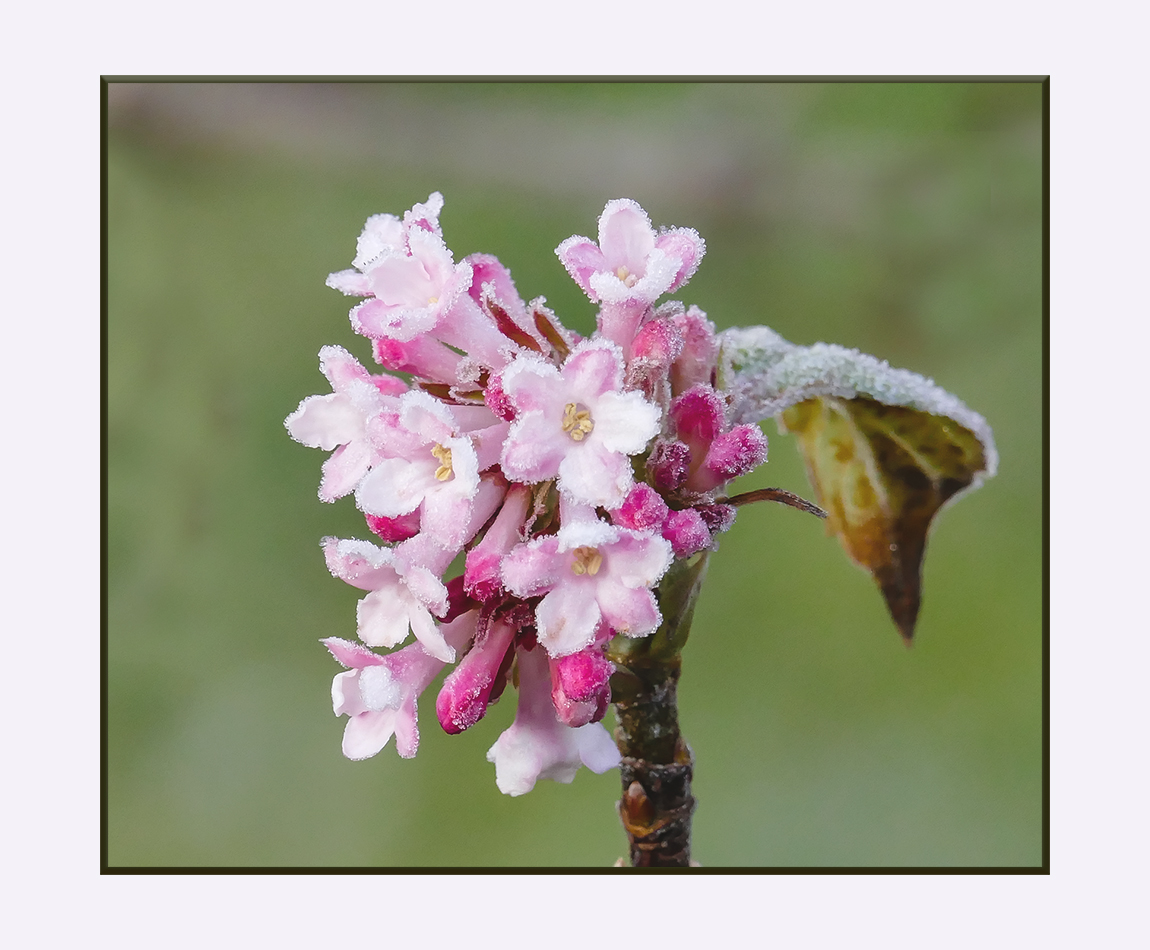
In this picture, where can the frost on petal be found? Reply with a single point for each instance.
(351, 654)
(349, 282)
(425, 215)
(625, 422)
(381, 232)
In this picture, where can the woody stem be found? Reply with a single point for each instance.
(657, 764)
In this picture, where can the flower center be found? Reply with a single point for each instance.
(577, 422)
(444, 472)
(587, 561)
(629, 279)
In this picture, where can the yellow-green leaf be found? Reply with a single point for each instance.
(882, 472)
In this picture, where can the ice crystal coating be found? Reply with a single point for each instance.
(766, 374)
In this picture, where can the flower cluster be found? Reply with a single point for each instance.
(569, 473)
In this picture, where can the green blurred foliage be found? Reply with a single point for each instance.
(904, 219)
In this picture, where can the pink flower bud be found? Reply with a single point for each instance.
(700, 354)
(394, 529)
(687, 531)
(717, 517)
(481, 572)
(642, 509)
(734, 453)
(466, 691)
(580, 686)
(667, 464)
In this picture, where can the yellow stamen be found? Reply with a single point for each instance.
(432, 300)
(444, 472)
(577, 422)
(587, 561)
(626, 276)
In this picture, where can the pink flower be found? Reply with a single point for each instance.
(404, 591)
(576, 424)
(630, 267)
(339, 420)
(406, 270)
(379, 693)
(588, 573)
(429, 463)
(630, 261)
(537, 745)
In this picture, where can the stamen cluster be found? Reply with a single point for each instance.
(569, 473)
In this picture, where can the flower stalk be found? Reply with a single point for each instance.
(657, 764)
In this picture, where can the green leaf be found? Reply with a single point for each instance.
(885, 448)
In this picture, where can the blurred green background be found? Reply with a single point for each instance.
(902, 219)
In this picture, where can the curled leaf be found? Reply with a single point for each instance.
(884, 448)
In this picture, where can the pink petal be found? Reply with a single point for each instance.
(345, 697)
(367, 733)
(686, 247)
(344, 470)
(632, 613)
(567, 617)
(351, 654)
(382, 618)
(406, 729)
(349, 282)
(535, 567)
(396, 486)
(687, 532)
(592, 369)
(637, 560)
(625, 235)
(594, 475)
(700, 355)
(535, 448)
(582, 258)
(325, 422)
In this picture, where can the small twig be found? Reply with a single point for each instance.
(780, 495)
